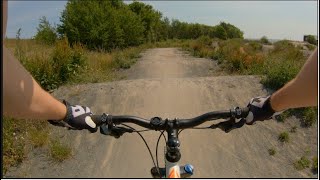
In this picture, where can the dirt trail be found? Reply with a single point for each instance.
(166, 82)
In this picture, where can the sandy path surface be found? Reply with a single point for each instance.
(166, 82)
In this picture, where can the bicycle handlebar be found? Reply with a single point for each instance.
(156, 123)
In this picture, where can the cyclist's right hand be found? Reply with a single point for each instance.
(259, 110)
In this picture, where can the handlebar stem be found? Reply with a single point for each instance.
(173, 151)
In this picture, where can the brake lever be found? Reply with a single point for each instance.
(61, 123)
(114, 130)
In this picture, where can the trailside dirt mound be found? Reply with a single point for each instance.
(173, 87)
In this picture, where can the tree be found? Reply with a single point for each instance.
(264, 40)
(45, 32)
(231, 30)
(220, 33)
(132, 27)
(150, 18)
(101, 24)
(311, 39)
(195, 31)
(165, 29)
(113, 24)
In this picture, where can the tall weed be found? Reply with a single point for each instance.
(63, 64)
(282, 65)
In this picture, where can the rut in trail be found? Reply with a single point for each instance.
(168, 83)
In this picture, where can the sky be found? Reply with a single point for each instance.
(274, 19)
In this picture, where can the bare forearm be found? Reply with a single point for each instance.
(22, 95)
(302, 90)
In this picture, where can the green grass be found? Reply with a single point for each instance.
(18, 136)
(311, 47)
(272, 151)
(284, 137)
(59, 152)
(13, 142)
(38, 137)
(283, 116)
(302, 163)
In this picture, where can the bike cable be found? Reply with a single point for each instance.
(157, 160)
(195, 128)
(143, 130)
(145, 142)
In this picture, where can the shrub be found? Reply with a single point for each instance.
(62, 65)
(220, 32)
(121, 61)
(42, 70)
(216, 56)
(293, 129)
(206, 40)
(309, 116)
(272, 151)
(196, 46)
(302, 163)
(255, 46)
(311, 39)
(282, 45)
(311, 47)
(232, 55)
(264, 40)
(300, 47)
(283, 116)
(231, 31)
(61, 60)
(283, 137)
(282, 65)
(66, 61)
(279, 73)
(102, 24)
(125, 58)
(204, 52)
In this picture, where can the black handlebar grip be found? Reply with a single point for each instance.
(98, 119)
(245, 112)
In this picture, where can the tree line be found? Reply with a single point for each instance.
(113, 24)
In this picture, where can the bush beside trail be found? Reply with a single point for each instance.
(276, 67)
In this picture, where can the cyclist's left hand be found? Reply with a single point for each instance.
(77, 118)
